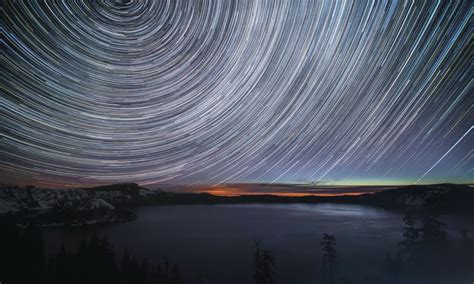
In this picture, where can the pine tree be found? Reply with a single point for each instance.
(393, 268)
(410, 233)
(10, 259)
(144, 271)
(264, 265)
(62, 266)
(432, 229)
(328, 244)
(32, 252)
(175, 275)
(257, 255)
(125, 267)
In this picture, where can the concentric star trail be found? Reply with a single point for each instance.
(210, 92)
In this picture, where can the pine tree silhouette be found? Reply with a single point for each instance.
(10, 259)
(264, 265)
(328, 244)
(22, 260)
(393, 268)
(410, 233)
(432, 229)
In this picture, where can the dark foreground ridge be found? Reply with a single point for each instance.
(116, 203)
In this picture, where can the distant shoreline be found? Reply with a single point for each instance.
(115, 203)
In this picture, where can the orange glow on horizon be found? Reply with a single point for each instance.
(235, 191)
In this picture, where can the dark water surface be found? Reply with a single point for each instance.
(218, 241)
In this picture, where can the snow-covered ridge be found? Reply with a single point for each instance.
(71, 206)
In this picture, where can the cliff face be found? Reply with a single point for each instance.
(72, 207)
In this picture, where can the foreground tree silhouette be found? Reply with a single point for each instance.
(22, 260)
(393, 267)
(411, 234)
(328, 244)
(429, 232)
(264, 265)
(432, 229)
(21, 253)
(424, 246)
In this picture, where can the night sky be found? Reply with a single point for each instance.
(209, 92)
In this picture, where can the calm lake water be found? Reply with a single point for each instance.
(218, 241)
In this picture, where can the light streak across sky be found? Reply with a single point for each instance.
(457, 142)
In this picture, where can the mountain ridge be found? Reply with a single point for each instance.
(116, 202)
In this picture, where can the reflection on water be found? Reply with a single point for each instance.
(217, 241)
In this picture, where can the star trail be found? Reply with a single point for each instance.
(211, 92)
